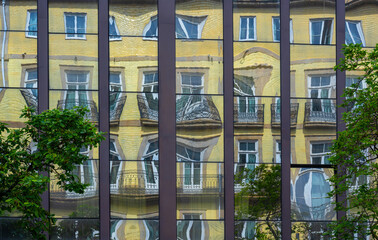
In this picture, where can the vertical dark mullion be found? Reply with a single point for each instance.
(43, 74)
(167, 119)
(285, 118)
(340, 85)
(228, 119)
(103, 83)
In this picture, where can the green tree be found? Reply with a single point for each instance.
(57, 136)
(356, 149)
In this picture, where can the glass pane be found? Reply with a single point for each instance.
(134, 189)
(256, 69)
(20, 57)
(202, 61)
(196, 229)
(257, 191)
(317, 25)
(141, 229)
(130, 114)
(199, 21)
(319, 115)
(362, 28)
(137, 67)
(73, 17)
(73, 64)
(199, 128)
(17, 14)
(310, 230)
(12, 101)
(65, 204)
(200, 190)
(255, 229)
(144, 23)
(11, 230)
(312, 71)
(310, 200)
(76, 229)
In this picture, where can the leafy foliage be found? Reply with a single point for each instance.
(260, 199)
(58, 136)
(356, 149)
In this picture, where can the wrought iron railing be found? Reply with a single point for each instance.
(276, 113)
(148, 107)
(188, 108)
(195, 107)
(92, 115)
(209, 183)
(116, 111)
(143, 182)
(250, 114)
(30, 99)
(320, 111)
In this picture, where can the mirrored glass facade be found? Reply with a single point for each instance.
(218, 124)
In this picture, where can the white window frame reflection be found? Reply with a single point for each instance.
(32, 83)
(274, 26)
(91, 189)
(324, 155)
(322, 31)
(31, 33)
(241, 166)
(79, 89)
(247, 37)
(278, 152)
(199, 21)
(117, 36)
(152, 159)
(75, 34)
(324, 101)
(114, 153)
(353, 37)
(191, 164)
(248, 99)
(115, 89)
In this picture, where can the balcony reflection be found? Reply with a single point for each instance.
(320, 112)
(249, 116)
(30, 96)
(276, 114)
(117, 102)
(191, 110)
(131, 182)
(92, 115)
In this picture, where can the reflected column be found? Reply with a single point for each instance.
(73, 81)
(313, 89)
(18, 79)
(133, 116)
(199, 120)
(257, 119)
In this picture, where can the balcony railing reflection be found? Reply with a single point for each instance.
(191, 111)
(92, 115)
(320, 113)
(116, 108)
(209, 183)
(58, 193)
(30, 99)
(148, 108)
(276, 114)
(251, 116)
